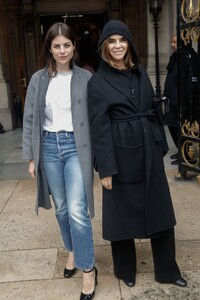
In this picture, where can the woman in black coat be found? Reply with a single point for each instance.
(129, 144)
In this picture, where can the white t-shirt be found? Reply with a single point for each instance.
(58, 114)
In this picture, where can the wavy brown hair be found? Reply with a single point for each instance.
(46, 58)
(128, 59)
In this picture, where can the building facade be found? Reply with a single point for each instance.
(23, 25)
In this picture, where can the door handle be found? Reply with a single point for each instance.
(23, 82)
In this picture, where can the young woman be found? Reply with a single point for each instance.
(129, 144)
(56, 141)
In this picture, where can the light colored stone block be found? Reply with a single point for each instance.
(186, 200)
(147, 288)
(6, 189)
(27, 265)
(15, 157)
(59, 289)
(21, 228)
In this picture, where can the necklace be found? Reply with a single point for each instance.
(64, 73)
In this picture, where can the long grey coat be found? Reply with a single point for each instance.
(33, 128)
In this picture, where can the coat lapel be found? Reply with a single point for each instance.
(112, 76)
(44, 82)
(76, 96)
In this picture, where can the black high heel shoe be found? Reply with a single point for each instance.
(69, 273)
(91, 295)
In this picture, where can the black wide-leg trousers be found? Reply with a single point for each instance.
(164, 257)
(174, 134)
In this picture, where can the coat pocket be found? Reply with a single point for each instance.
(130, 163)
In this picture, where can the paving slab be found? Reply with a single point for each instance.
(27, 265)
(14, 171)
(186, 200)
(6, 189)
(10, 141)
(15, 157)
(59, 289)
(21, 228)
(147, 288)
(187, 254)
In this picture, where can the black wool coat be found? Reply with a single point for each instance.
(171, 91)
(129, 143)
(189, 71)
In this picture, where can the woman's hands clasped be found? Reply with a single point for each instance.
(107, 182)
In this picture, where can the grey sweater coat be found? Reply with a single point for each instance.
(33, 128)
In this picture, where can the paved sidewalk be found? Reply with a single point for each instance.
(32, 256)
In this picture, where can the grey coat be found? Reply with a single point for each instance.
(33, 128)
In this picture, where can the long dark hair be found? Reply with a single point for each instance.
(46, 56)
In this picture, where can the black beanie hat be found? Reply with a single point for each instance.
(117, 27)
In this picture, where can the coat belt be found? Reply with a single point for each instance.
(150, 114)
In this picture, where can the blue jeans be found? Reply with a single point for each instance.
(65, 180)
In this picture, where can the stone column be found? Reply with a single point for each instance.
(5, 109)
(167, 27)
(5, 104)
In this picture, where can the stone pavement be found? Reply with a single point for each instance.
(32, 256)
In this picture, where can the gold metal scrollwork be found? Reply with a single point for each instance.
(190, 129)
(190, 10)
(195, 129)
(190, 153)
(195, 33)
(190, 33)
(185, 35)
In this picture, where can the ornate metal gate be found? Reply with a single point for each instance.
(188, 34)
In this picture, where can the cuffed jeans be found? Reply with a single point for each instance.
(65, 180)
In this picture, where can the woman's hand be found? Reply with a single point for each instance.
(107, 182)
(31, 168)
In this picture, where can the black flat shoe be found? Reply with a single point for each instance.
(174, 156)
(91, 295)
(69, 273)
(174, 162)
(181, 282)
(129, 282)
